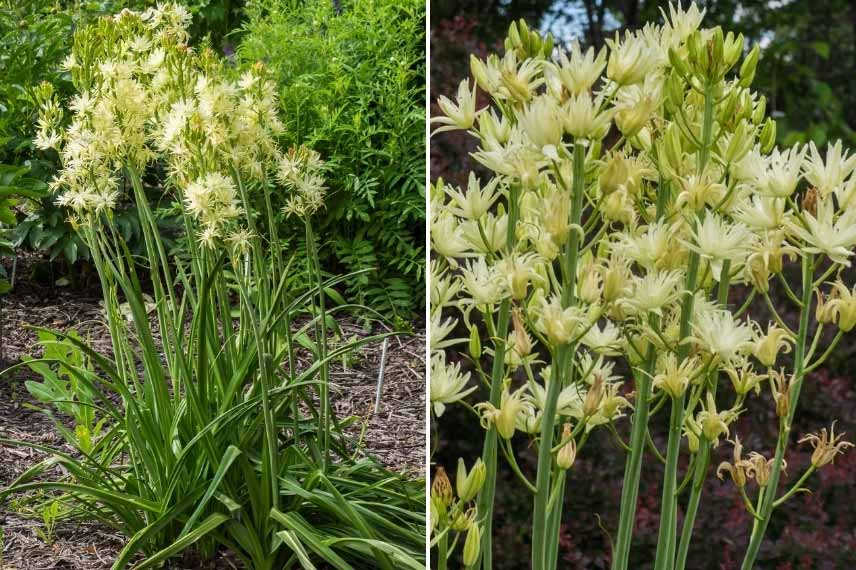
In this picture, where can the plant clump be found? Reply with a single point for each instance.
(631, 190)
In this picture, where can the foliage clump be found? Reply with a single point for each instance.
(202, 429)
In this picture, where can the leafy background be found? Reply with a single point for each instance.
(352, 81)
(807, 72)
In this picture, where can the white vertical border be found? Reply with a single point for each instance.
(427, 282)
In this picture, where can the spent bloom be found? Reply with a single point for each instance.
(826, 446)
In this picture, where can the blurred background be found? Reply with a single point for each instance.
(807, 71)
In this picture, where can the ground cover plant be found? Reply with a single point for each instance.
(352, 84)
(630, 190)
(212, 437)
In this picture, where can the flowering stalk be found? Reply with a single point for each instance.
(666, 541)
(560, 378)
(768, 495)
(702, 459)
(639, 428)
(497, 375)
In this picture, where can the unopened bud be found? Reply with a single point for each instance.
(594, 396)
(768, 136)
(475, 343)
(472, 545)
(469, 484)
(566, 456)
(732, 50)
(760, 110)
(678, 63)
(747, 70)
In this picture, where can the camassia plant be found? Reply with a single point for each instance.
(213, 434)
(630, 189)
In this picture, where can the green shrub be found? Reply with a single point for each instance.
(352, 77)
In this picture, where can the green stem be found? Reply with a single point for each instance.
(666, 541)
(638, 431)
(700, 472)
(443, 552)
(564, 354)
(497, 375)
(321, 341)
(768, 497)
(666, 538)
(796, 487)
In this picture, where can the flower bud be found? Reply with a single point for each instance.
(768, 136)
(714, 54)
(613, 175)
(747, 70)
(475, 343)
(479, 73)
(740, 143)
(673, 150)
(566, 456)
(678, 63)
(732, 50)
(469, 484)
(730, 105)
(591, 404)
(760, 110)
(472, 545)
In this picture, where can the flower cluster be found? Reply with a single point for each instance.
(144, 95)
(630, 189)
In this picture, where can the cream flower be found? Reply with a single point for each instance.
(447, 384)
(579, 72)
(460, 116)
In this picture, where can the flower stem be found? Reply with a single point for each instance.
(667, 539)
(638, 432)
(768, 498)
(497, 375)
(443, 552)
(703, 460)
(564, 356)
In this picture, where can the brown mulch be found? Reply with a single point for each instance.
(394, 434)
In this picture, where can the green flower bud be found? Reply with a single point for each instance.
(677, 63)
(475, 343)
(472, 545)
(760, 110)
(768, 135)
(469, 484)
(733, 49)
(566, 456)
(747, 70)
(740, 143)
